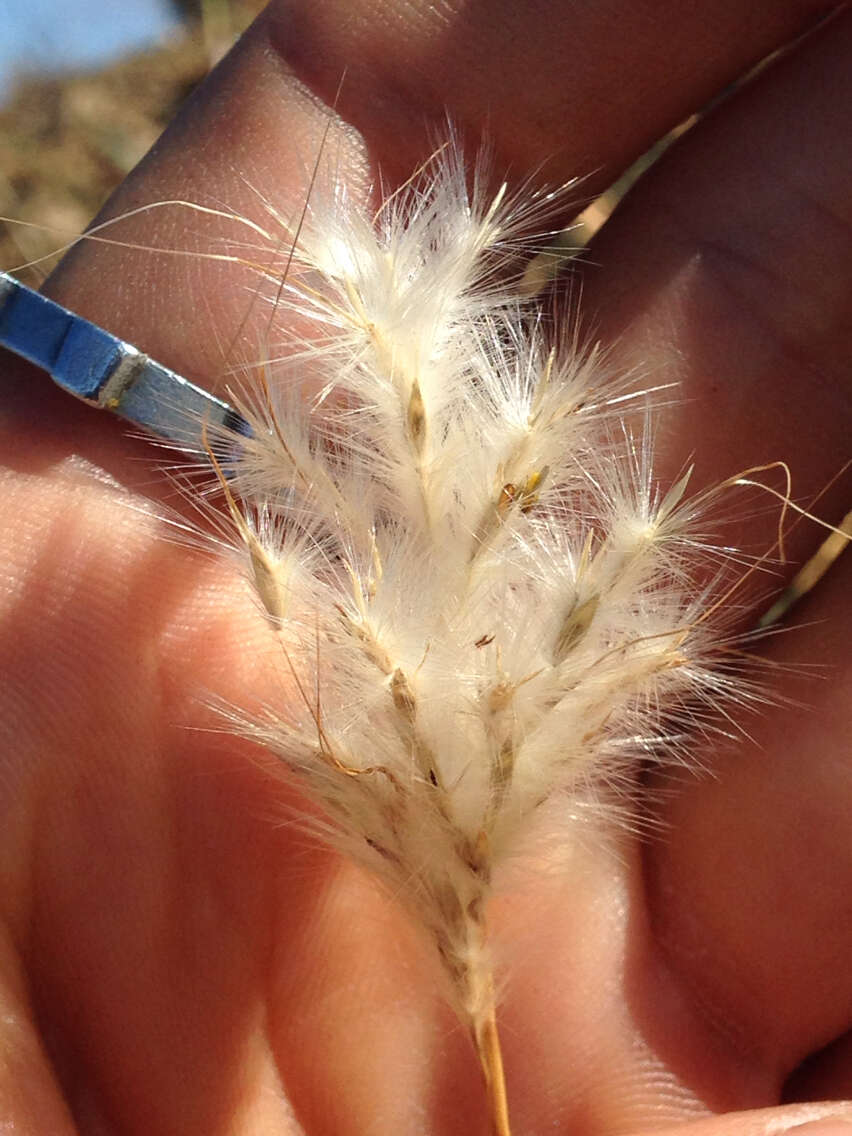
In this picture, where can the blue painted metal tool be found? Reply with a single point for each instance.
(107, 372)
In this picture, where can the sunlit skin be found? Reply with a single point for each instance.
(175, 957)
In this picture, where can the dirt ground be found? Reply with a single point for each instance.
(66, 143)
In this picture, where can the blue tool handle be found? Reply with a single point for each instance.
(107, 372)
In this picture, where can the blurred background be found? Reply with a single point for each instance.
(85, 89)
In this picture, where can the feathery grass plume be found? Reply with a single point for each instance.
(483, 603)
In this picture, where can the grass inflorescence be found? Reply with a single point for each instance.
(486, 608)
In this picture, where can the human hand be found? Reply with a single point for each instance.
(173, 960)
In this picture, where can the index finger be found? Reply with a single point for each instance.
(568, 89)
(576, 89)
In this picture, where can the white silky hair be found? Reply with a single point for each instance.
(484, 602)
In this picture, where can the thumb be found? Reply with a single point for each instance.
(828, 1118)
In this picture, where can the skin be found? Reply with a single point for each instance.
(173, 958)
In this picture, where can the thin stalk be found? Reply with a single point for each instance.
(487, 1041)
(476, 977)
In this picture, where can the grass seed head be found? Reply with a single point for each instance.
(483, 600)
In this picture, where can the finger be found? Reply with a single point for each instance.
(193, 961)
(728, 272)
(254, 131)
(750, 888)
(802, 1120)
(31, 1100)
(249, 137)
(577, 89)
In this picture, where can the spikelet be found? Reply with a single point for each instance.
(483, 602)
